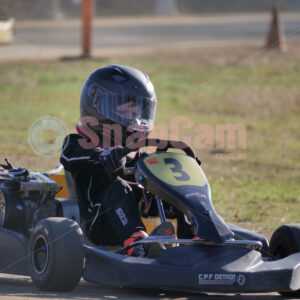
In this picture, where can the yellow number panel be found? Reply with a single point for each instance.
(175, 169)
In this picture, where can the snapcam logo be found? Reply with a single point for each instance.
(46, 136)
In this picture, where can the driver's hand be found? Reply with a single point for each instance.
(113, 159)
(131, 162)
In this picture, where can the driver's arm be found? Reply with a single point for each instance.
(76, 158)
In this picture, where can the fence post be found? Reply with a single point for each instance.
(86, 12)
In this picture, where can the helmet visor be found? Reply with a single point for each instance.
(135, 112)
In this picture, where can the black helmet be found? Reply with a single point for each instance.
(119, 94)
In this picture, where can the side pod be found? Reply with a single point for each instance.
(13, 252)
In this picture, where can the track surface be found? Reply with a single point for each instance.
(137, 32)
(47, 39)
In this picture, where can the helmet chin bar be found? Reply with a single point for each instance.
(139, 127)
(138, 134)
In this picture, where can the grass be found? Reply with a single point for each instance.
(260, 190)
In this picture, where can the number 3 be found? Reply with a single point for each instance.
(177, 169)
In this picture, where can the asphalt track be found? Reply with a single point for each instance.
(48, 39)
(21, 288)
(137, 32)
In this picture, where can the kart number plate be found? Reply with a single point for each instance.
(175, 169)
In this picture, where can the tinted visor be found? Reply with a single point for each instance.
(135, 112)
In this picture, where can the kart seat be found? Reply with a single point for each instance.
(70, 179)
(71, 186)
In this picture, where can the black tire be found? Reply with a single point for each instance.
(56, 254)
(284, 242)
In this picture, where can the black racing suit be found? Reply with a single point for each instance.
(108, 205)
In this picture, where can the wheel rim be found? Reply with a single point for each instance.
(40, 255)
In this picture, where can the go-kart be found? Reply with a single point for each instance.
(40, 235)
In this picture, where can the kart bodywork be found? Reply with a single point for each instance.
(203, 268)
(214, 263)
(225, 257)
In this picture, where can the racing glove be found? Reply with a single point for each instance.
(113, 159)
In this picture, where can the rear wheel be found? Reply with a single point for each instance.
(56, 254)
(284, 242)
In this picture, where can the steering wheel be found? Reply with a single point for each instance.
(161, 145)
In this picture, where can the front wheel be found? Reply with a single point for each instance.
(56, 254)
(284, 242)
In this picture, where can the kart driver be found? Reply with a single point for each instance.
(122, 98)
